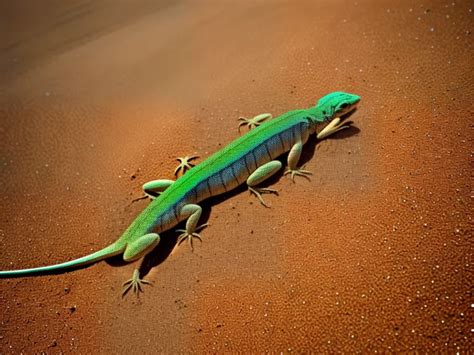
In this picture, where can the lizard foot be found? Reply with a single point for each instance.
(134, 284)
(299, 172)
(334, 126)
(190, 235)
(258, 191)
(184, 164)
(254, 121)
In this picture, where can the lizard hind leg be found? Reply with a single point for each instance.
(293, 158)
(135, 284)
(260, 174)
(154, 188)
(192, 212)
(134, 251)
(254, 121)
(185, 164)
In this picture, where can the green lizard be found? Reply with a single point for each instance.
(249, 159)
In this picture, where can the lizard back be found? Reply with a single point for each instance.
(224, 170)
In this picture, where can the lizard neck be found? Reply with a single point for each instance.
(317, 114)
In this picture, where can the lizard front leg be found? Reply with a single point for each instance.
(334, 126)
(192, 212)
(293, 159)
(260, 174)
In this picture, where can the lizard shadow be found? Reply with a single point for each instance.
(169, 239)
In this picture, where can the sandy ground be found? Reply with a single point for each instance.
(373, 254)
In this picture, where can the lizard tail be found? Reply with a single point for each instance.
(111, 250)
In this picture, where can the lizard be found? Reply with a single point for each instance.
(249, 159)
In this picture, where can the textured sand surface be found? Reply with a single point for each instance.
(373, 254)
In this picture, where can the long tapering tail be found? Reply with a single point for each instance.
(111, 250)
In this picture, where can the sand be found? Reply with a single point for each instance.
(372, 255)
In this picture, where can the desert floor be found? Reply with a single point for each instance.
(373, 254)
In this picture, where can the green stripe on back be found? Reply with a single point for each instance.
(215, 163)
(232, 152)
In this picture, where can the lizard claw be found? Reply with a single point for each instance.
(184, 164)
(134, 284)
(299, 172)
(190, 235)
(254, 121)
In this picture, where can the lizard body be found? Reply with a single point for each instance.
(224, 170)
(250, 158)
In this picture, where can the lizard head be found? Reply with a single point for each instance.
(335, 104)
(325, 116)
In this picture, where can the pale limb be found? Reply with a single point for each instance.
(254, 121)
(134, 251)
(334, 126)
(184, 164)
(155, 187)
(192, 212)
(260, 174)
(293, 158)
(134, 284)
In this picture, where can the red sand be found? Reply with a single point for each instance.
(374, 254)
